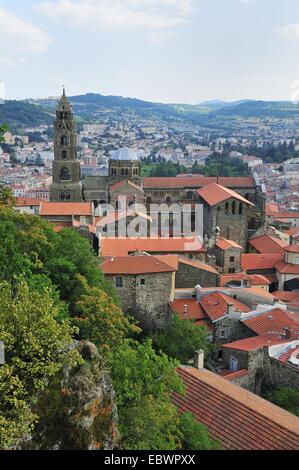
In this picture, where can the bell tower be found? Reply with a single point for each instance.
(66, 186)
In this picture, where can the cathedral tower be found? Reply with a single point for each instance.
(66, 186)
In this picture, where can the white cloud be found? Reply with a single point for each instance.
(290, 31)
(120, 15)
(18, 38)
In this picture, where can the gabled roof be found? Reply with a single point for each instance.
(224, 244)
(66, 208)
(122, 246)
(254, 279)
(240, 419)
(267, 244)
(215, 193)
(231, 375)
(260, 261)
(189, 309)
(273, 321)
(292, 248)
(216, 305)
(122, 183)
(135, 265)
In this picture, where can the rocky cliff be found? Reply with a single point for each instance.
(77, 411)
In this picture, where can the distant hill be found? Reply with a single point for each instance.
(91, 107)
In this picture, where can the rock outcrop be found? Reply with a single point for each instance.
(78, 410)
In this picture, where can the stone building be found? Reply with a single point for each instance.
(228, 255)
(145, 285)
(225, 211)
(192, 273)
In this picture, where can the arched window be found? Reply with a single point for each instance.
(126, 171)
(64, 155)
(226, 208)
(234, 207)
(122, 172)
(189, 195)
(64, 196)
(240, 208)
(64, 140)
(65, 174)
(168, 200)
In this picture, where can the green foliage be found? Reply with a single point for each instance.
(6, 197)
(181, 338)
(3, 129)
(195, 435)
(36, 345)
(20, 114)
(101, 321)
(143, 382)
(287, 398)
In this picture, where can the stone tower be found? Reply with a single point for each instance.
(66, 186)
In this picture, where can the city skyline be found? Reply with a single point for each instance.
(171, 51)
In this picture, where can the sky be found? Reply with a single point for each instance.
(171, 51)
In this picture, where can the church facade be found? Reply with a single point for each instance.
(124, 178)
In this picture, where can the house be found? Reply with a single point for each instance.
(236, 417)
(145, 285)
(263, 264)
(288, 268)
(228, 255)
(244, 280)
(27, 205)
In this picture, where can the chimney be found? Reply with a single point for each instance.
(198, 292)
(186, 311)
(287, 332)
(199, 359)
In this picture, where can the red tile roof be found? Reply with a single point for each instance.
(215, 193)
(285, 215)
(119, 184)
(256, 342)
(224, 244)
(285, 296)
(123, 246)
(216, 305)
(198, 182)
(292, 248)
(135, 265)
(194, 310)
(235, 416)
(28, 201)
(273, 321)
(286, 355)
(260, 261)
(66, 208)
(287, 268)
(254, 279)
(231, 375)
(268, 244)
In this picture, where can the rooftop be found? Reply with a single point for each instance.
(135, 265)
(256, 342)
(260, 261)
(215, 193)
(196, 181)
(225, 244)
(66, 208)
(124, 154)
(216, 305)
(267, 244)
(273, 321)
(235, 416)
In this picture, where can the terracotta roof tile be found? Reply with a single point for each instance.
(135, 265)
(123, 246)
(231, 375)
(268, 244)
(66, 208)
(253, 279)
(260, 261)
(198, 182)
(292, 248)
(224, 244)
(28, 201)
(287, 268)
(256, 342)
(273, 321)
(235, 416)
(215, 193)
(197, 264)
(216, 305)
(285, 296)
(189, 309)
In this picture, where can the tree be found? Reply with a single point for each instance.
(3, 129)
(287, 398)
(6, 197)
(101, 321)
(144, 381)
(195, 434)
(181, 338)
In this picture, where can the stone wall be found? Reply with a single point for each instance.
(223, 259)
(147, 303)
(190, 276)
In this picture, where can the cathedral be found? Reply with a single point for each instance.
(124, 179)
